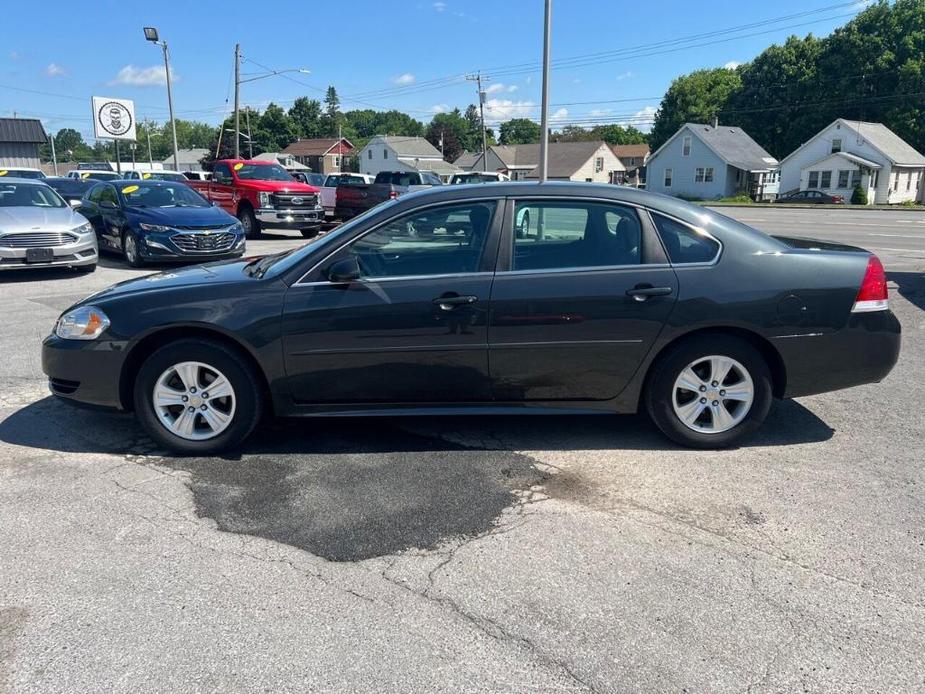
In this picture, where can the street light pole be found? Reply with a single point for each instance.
(544, 116)
(151, 35)
(237, 101)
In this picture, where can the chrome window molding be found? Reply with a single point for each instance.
(589, 268)
(699, 230)
(380, 280)
(445, 203)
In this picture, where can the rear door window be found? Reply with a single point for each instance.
(685, 244)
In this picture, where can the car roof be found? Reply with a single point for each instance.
(16, 179)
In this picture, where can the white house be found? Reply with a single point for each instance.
(706, 162)
(591, 162)
(850, 153)
(400, 153)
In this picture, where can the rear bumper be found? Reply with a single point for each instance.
(270, 217)
(865, 351)
(86, 372)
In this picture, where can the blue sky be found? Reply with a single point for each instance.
(410, 56)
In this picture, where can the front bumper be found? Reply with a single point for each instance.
(79, 253)
(87, 372)
(271, 217)
(158, 245)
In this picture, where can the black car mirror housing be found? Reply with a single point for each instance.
(344, 271)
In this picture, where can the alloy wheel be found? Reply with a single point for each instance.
(131, 249)
(194, 401)
(713, 394)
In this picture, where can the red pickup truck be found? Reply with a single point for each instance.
(263, 195)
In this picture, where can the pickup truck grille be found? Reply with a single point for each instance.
(203, 242)
(294, 201)
(37, 239)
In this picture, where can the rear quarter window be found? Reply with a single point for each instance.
(685, 244)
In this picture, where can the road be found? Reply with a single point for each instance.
(484, 554)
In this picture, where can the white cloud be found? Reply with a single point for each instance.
(642, 119)
(624, 75)
(440, 108)
(142, 76)
(599, 112)
(732, 65)
(404, 79)
(439, 6)
(54, 70)
(494, 88)
(560, 114)
(512, 88)
(497, 110)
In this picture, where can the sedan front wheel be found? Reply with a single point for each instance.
(197, 397)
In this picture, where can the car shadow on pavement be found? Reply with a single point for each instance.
(49, 274)
(354, 489)
(911, 286)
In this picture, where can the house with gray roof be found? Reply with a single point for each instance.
(20, 139)
(187, 159)
(592, 162)
(401, 153)
(707, 162)
(850, 153)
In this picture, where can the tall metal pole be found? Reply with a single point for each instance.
(237, 95)
(173, 123)
(148, 132)
(118, 158)
(544, 117)
(250, 140)
(54, 157)
(477, 78)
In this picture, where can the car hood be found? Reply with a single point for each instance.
(182, 216)
(17, 219)
(210, 273)
(278, 186)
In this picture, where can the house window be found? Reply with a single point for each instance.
(836, 145)
(598, 164)
(698, 175)
(668, 178)
(369, 154)
(843, 178)
(813, 179)
(825, 180)
(708, 175)
(632, 161)
(909, 181)
(686, 146)
(895, 185)
(337, 160)
(855, 178)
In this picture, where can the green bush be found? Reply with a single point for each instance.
(859, 196)
(909, 203)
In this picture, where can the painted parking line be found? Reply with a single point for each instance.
(898, 236)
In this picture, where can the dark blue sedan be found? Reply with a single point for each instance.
(158, 221)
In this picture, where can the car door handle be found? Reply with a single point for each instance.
(641, 292)
(448, 303)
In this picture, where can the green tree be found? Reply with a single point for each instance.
(619, 134)
(305, 115)
(519, 131)
(453, 129)
(697, 98)
(272, 130)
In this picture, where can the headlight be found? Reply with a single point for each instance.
(84, 229)
(154, 227)
(84, 323)
(264, 199)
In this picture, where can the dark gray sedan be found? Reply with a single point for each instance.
(508, 298)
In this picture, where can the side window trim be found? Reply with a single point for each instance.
(696, 230)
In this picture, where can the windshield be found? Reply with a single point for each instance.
(21, 173)
(262, 172)
(163, 176)
(29, 195)
(100, 175)
(149, 194)
(315, 179)
(474, 178)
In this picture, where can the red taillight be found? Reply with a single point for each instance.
(393, 194)
(873, 295)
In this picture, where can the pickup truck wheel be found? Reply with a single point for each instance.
(249, 222)
(311, 232)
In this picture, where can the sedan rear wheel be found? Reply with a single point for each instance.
(710, 391)
(198, 396)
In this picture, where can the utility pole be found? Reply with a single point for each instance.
(544, 116)
(340, 149)
(148, 132)
(237, 100)
(477, 78)
(152, 36)
(54, 157)
(133, 146)
(250, 140)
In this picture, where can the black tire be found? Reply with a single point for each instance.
(132, 258)
(249, 399)
(659, 392)
(311, 232)
(249, 221)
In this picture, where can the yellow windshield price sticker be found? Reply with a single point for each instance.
(146, 175)
(129, 189)
(85, 175)
(237, 167)
(3, 172)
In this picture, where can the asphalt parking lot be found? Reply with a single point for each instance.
(480, 554)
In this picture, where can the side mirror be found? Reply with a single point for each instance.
(108, 204)
(344, 271)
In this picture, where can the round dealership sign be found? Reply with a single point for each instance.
(114, 118)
